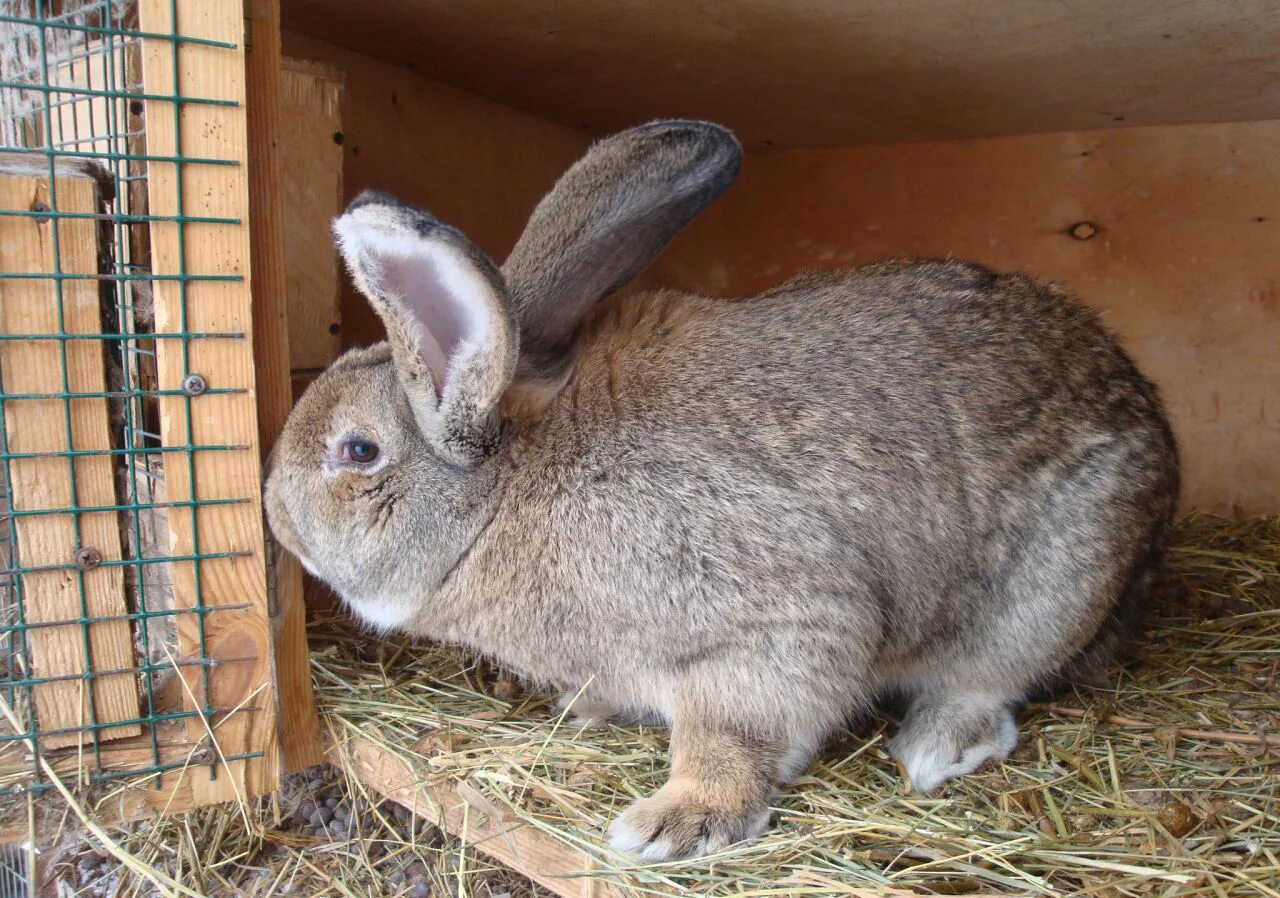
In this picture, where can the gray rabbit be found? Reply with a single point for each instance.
(749, 520)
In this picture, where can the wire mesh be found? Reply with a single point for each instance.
(13, 872)
(72, 95)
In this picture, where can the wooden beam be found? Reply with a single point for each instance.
(228, 593)
(138, 777)
(832, 72)
(269, 162)
(512, 842)
(63, 593)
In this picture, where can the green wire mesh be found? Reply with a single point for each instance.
(57, 57)
(13, 872)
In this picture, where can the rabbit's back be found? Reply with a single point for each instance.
(905, 362)
(888, 443)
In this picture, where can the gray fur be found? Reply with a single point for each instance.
(754, 518)
(595, 231)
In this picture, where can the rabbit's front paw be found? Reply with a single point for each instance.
(686, 819)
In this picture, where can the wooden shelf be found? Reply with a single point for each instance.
(833, 72)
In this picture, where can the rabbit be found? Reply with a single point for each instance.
(748, 520)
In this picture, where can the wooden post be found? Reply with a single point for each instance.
(299, 724)
(235, 587)
(32, 306)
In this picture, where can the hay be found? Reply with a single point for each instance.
(362, 846)
(1164, 783)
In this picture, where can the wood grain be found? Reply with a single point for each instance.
(35, 306)
(126, 798)
(1183, 263)
(271, 174)
(217, 132)
(834, 72)
(518, 845)
(310, 144)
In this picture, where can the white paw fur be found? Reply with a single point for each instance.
(930, 762)
(624, 837)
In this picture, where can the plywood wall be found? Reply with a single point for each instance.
(1183, 228)
(1185, 259)
(476, 164)
(311, 186)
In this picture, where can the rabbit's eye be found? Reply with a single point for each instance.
(359, 451)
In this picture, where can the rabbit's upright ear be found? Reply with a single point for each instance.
(607, 218)
(447, 316)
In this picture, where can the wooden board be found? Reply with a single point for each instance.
(519, 846)
(271, 170)
(211, 132)
(478, 165)
(123, 799)
(833, 72)
(1184, 263)
(311, 197)
(35, 306)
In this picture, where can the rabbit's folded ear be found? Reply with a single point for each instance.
(447, 316)
(607, 218)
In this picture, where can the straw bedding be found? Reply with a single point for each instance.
(1163, 783)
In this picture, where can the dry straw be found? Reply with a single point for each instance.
(1164, 783)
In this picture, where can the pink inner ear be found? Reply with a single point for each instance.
(418, 283)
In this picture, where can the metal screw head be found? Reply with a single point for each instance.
(41, 210)
(88, 558)
(194, 384)
(204, 754)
